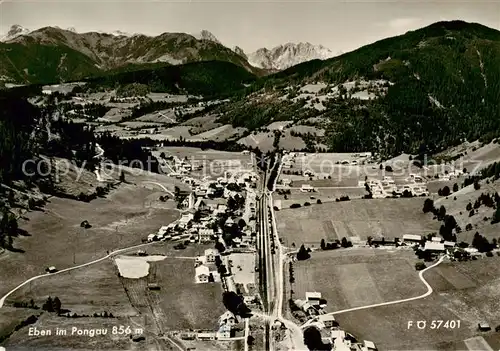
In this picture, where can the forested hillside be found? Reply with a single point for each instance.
(445, 87)
(211, 78)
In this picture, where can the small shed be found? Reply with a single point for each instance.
(484, 326)
(51, 269)
(153, 286)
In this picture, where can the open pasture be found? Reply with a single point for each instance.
(55, 237)
(323, 194)
(95, 288)
(358, 277)
(465, 291)
(389, 218)
(185, 304)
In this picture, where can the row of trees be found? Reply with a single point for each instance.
(8, 228)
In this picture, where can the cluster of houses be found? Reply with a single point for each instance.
(387, 187)
(226, 329)
(205, 267)
(313, 306)
(208, 199)
(434, 245)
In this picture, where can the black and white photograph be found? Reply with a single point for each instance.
(249, 175)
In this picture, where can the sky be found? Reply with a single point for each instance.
(339, 25)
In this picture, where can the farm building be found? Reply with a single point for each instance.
(202, 274)
(369, 346)
(151, 237)
(484, 326)
(51, 269)
(313, 298)
(210, 255)
(306, 188)
(412, 238)
(205, 234)
(434, 246)
(153, 286)
(228, 318)
(185, 220)
(224, 332)
(306, 307)
(206, 336)
(328, 320)
(436, 239)
(449, 244)
(383, 241)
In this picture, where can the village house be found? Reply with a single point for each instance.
(228, 318)
(224, 332)
(434, 247)
(306, 307)
(185, 220)
(210, 255)
(313, 298)
(205, 235)
(202, 274)
(448, 244)
(368, 346)
(206, 336)
(229, 222)
(328, 320)
(306, 188)
(412, 238)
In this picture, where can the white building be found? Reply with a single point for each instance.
(412, 238)
(224, 332)
(434, 246)
(306, 188)
(228, 318)
(185, 220)
(210, 255)
(313, 297)
(202, 274)
(205, 234)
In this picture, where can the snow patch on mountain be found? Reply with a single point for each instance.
(287, 55)
(15, 31)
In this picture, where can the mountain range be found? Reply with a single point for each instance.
(424, 90)
(52, 54)
(288, 55)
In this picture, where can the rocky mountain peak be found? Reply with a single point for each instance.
(206, 35)
(15, 31)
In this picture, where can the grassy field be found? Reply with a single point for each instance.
(183, 303)
(323, 194)
(95, 288)
(55, 237)
(358, 277)
(467, 291)
(10, 317)
(332, 221)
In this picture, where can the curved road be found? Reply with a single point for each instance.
(2, 300)
(161, 186)
(111, 254)
(420, 275)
